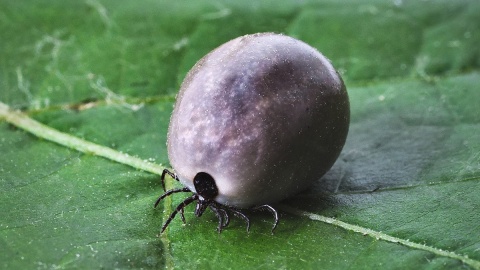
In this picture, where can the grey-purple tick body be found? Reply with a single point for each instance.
(257, 120)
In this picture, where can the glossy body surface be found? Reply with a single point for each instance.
(265, 115)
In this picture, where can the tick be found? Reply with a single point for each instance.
(257, 120)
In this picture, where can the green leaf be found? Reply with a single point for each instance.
(95, 82)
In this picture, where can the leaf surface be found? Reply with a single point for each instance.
(404, 193)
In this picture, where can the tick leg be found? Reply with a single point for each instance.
(226, 216)
(219, 213)
(271, 210)
(224, 211)
(180, 207)
(182, 215)
(242, 216)
(170, 192)
(173, 175)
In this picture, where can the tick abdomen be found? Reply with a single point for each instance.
(265, 115)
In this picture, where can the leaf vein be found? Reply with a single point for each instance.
(382, 236)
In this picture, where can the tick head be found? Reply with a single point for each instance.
(206, 190)
(205, 186)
